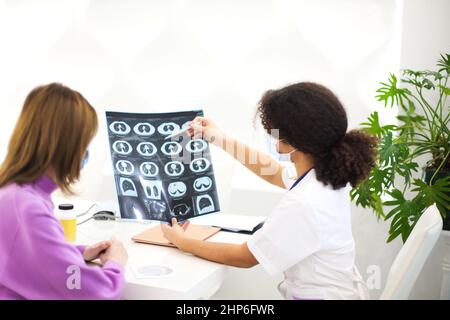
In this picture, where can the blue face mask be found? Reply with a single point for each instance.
(85, 160)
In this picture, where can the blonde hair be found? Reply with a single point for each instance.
(53, 132)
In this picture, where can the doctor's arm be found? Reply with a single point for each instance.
(236, 255)
(260, 163)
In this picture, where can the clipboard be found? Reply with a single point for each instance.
(237, 223)
(155, 236)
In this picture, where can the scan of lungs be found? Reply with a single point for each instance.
(174, 168)
(127, 187)
(122, 147)
(199, 165)
(120, 128)
(158, 208)
(196, 145)
(204, 204)
(202, 184)
(181, 209)
(144, 129)
(146, 149)
(152, 188)
(125, 167)
(177, 189)
(149, 169)
(167, 128)
(171, 148)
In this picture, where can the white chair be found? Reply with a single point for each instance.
(412, 256)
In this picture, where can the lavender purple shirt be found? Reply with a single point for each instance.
(36, 262)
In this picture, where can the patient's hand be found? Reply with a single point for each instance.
(116, 252)
(92, 252)
(175, 233)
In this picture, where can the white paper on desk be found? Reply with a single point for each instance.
(233, 222)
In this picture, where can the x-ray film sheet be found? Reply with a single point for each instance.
(158, 178)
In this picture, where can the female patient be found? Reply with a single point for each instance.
(47, 151)
(308, 235)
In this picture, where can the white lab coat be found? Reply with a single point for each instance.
(308, 237)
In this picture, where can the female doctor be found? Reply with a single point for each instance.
(308, 235)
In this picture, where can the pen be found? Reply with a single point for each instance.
(177, 133)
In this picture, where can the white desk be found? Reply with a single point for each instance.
(193, 278)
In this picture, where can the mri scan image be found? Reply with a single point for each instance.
(177, 189)
(125, 167)
(152, 188)
(202, 184)
(122, 147)
(127, 187)
(144, 129)
(167, 128)
(120, 128)
(157, 177)
(146, 149)
(149, 169)
(180, 210)
(204, 204)
(174, 168)
(158, 208)
(171, 148)
(199, 165)
(197, 145)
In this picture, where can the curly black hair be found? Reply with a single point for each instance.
(312, 119)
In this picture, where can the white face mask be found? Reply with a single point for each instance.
(283, 157)
(286, 157)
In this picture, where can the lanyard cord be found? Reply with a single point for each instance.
(299, 179)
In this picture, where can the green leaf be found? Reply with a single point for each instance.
(446, 90)
(381, 179)
(424, 74)
(392, 151)
(362, 194)
(394, 234)
(377, 205)
(411, 120)
(373, 126)
(389, 92)
(405, 214)
(444, 63)
(436, 193)
(397, 200)
(428, 84)
(406, 169)
(436, 75)
(413, 73)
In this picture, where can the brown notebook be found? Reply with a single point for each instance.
(154, 235)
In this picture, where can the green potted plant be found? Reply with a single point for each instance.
(397, 188)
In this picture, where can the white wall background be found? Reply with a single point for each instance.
(218, 55)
